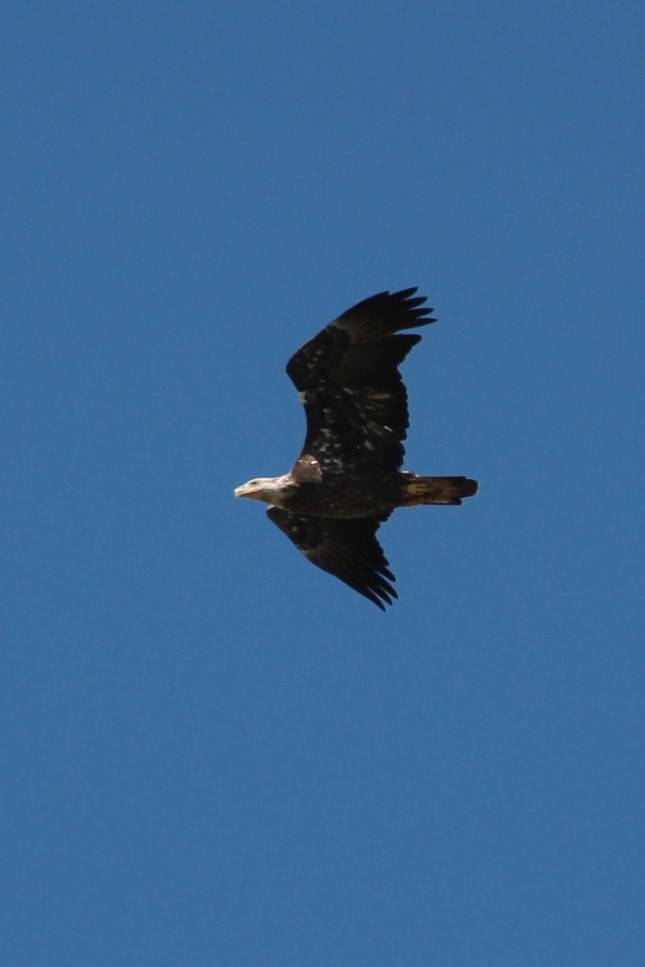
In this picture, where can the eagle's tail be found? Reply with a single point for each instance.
(437, 490)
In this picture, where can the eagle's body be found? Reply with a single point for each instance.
(348, 480)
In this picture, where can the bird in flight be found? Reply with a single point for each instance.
(348, 478)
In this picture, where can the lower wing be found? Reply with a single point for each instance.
(348, 549)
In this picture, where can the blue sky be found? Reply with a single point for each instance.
(214, 753)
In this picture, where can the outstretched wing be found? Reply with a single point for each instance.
(348, 379)
(348, 549)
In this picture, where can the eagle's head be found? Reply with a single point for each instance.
(270, 490)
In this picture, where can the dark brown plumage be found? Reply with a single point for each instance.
(347, 479)
(348, 549)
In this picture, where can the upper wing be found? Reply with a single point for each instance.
(347, 375)
(348, 549)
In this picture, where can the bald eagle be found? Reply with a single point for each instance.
(347, 480)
